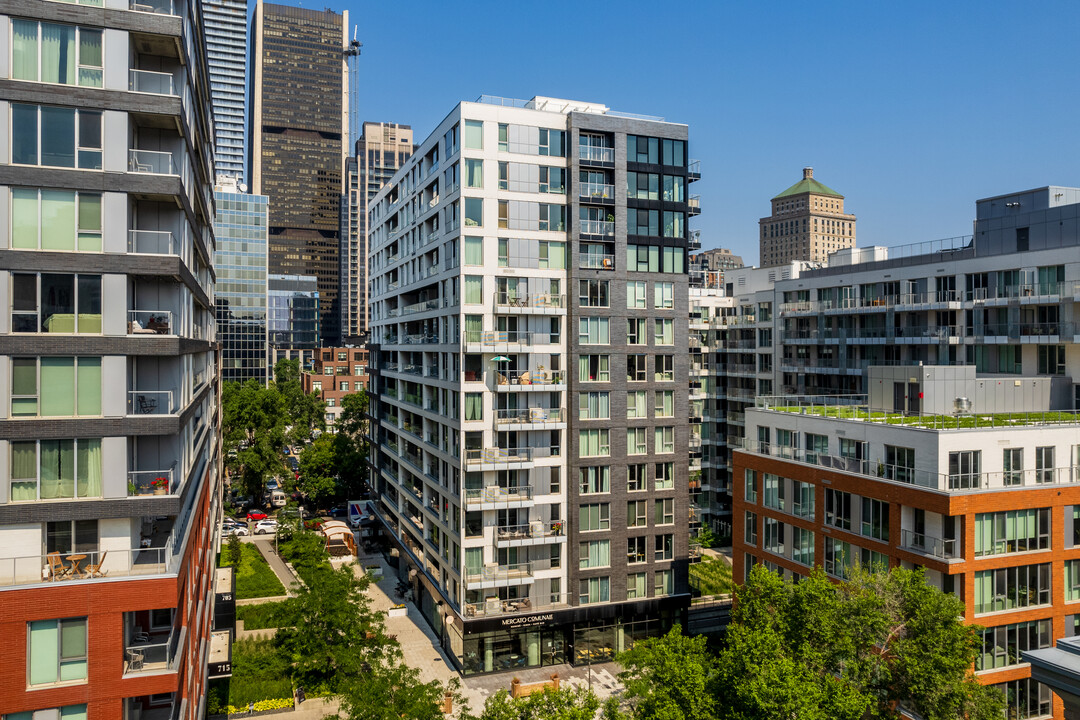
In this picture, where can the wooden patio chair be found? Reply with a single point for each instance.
(57, 568)
(95, 570)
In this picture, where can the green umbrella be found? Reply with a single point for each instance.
(500, 358)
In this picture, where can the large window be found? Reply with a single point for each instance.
(55, 136)
(635, 550)
(643, 222)
(751, 528)
(774, 536)
(875, 519)
(593, 331)
(674, 153)
(653, 258)
(663, 583)
(55, 387)
(637, 513)
(665, 368)
(56, 303)
(55, 220)
(643, 186)
(594, 554)
(636, 585)
(1011, 588)
(802, 499)
(636, 443)
(1072, 580)
(774, 488)
(1044, 464)
(642, 149)
(595, 516)
(593, 406)
(52, 53)
(635, 404)
(802, 546)
(474, 406)
(750, 484)
(1051, 360)
(663, 295)
(474, 290)
(664, 511)
(665, 403)
(1012, 531)
(674, 188)
(674, 224)
(637, 479)
(1013, 463)
(1026, 698)
(663, 331)
(636, 294)
(593, 368)
(664, 439)
(68, 712)
(474, 173)
(56, 651)
(900, 463)
(593, 443)
(1002, 645)
(593, 293)
(474, 212)
(664, 547)
(838, 509)
(964, 469)
(664, 478)
(55, 469)
(593, 480)
(594, 590)
(635, 368)
(474, 134)
(474, 251)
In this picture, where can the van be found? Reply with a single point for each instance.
(277, 498)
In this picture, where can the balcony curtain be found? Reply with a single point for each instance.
(23, 471)
(57, 53)
(474, 406)
(57, 469)
(88, 459)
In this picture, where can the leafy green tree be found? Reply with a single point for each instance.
(671, 677)
(253, 425)
(305, 411)
(350, 445)
(392, 690)
(563, 704)
(317, 469)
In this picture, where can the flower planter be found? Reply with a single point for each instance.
(401, 611)
(161, 490)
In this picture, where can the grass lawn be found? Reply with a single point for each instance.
(711, 576)
(938, 422)
(267, 615)
(258, 673)
(254, 578)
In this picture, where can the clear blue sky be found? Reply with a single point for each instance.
(911, 110)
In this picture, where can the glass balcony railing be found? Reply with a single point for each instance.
(151, 482)
(538, 377)
(596, 261)
(525, 300)
(591, 153)
(149, 81)
(527, 416)
(930, 545)
(153, 162)
(498, 493)
(159, 7)
(150, 322)
(489, 456)
(598, 227)
(150, 402)
(84, 565)
(150, 242)
(499, 573)
(154, 653)
(596, 191)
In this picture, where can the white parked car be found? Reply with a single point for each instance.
(264, 527)
(233, 529)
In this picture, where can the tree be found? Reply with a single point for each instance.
(563, 704)
(305, 411)
(252, 424)
(670, 677)
(350, 444)
(317, 469)
(391, 690)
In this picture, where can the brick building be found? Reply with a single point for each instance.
(335, 373)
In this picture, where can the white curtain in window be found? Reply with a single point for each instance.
(57, 53)
(89, 468)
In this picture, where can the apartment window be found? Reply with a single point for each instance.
(55, 469)
(593, 331)
(875, 519)
(1044, 464)
(594, 590)
(328, 371)
(650, 258)
(664, 548)
(838, 509)
(552, 180)
(664, 511)
(55, 386)
(55, 136)
(504, 137)
(1051, 359)
(593, 293)
(635, 331)
(595, 516)
(1012, 531)
(840, 557)
(53, 303)
(674, 188)
(55, 220)
(635, 550)
(663, 331)
(900, 463)
(636, 513)
(1002, 645)
(636, 585)
(751, 528)
(1012, 588)
(774, 488)
(474, 212)
(774, 536)
(552, 217)
(56, 651)
(663, 295)
(674, 224)
(52, 53)
(802, 546)
(643, 222)
(593, 480)
(663, 583)
(1013, 464)
(635, 441)
(594, 554)
(803, 499)
(665, 368)
(474, 290)
(674, 153)
(635, 368)
(72, 536)
(450, 141)
(1072, 580)
(1026, 698)
(636, 478)
(474, 406)
(474, 173)
(593, 368)
(552, 143)
(593, 406)
(68, 712)
(474, 251)
(474, 134)
(750, 482)
(664, 476)
(642, 149)
(664, 439)
(643, 186)
(593, 443)
(816, 445)
(636, 292)
(635, 405)
(665, 403)
(964, 469)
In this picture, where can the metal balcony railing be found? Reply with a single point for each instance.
(154, 162)
(929, 545)
(526, 300)
(150, 322)
(150, 402)
(150, 242)
(528, 416)
(498, 494)
(592, 153)
(84, 565)
(149, 81)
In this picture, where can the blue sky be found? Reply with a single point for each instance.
(911, 110)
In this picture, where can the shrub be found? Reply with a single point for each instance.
(267, 615)
(259, 673)
(711, 577)
(254, 578)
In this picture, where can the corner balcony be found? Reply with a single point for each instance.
(493, 576)
(152, 651)
(158, 7)
(537, 532)
(154, 83)
(153, 162)
(495, 606)
(929, 545)
(142, 483)
(151, 242)
(530, 304)
(496, 497)
(150, 322)
(150, 402)
(84, 566)
(535, 418)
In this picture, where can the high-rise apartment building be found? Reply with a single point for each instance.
(225, 29)
(380, 151)
(293, 317)
(241, 293)
(529, 373)
(109, 428)
(298, 131)
(808, 223)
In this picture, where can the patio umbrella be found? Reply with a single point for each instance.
(500, 358)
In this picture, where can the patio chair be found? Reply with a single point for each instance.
(147, 405)
(135, 659)
(57, 568)
(94, 570)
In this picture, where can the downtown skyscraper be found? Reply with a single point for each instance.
(225, 31)
(297, 132)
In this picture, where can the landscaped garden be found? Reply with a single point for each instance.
(254, 578)
(711, 577)
(267, 615)
(933, 422)
(259, 675)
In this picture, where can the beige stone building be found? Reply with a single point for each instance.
(808, 222)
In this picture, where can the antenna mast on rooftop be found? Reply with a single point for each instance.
(352, 58)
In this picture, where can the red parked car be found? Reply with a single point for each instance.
(256, 515)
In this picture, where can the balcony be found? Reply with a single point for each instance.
(83, 566)
(498, 458)
(497, 495)
(929, 545)
(540, 417)
(536, 532)
(528, 380)
(596, 261)
(150, 402)
(151, 242)
(597, 193)
(153, 652)
(693, 170)
(604, 228)
(598, 155)
(150, 322)
(154, 83)
(536, 303)
(158, 7)
(499, 340)
(493, 575)
(495, 606)
(153, 162)
(694, 204)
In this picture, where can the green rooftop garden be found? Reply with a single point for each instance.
(934, 422)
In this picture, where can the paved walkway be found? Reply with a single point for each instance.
(265, 544)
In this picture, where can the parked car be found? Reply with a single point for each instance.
(273, 484)
(337, 511)
(293, 463)
(256, 515)
(264, 527)
(233, 529)
(233, 521)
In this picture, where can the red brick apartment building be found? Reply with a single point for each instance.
(991, 509)
(335, 373)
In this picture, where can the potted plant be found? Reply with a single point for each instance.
(160, 485)
(133, 489)
(556, 528)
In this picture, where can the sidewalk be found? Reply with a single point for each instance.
(265, 545)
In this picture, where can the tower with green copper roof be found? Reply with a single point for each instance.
(808, 222)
